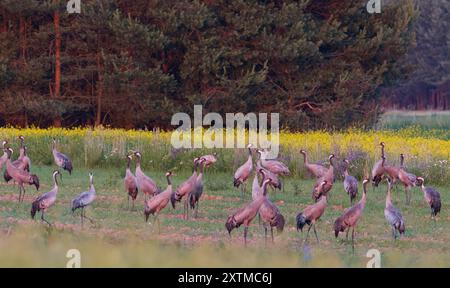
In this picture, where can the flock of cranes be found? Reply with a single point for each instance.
(265, 172)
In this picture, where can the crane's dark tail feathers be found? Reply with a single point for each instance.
(193, 199)
(279, 223)
(75, 205)
(7, 176)
(401, 228)
(436, 207)
(302, 221)
(68, 167)
(34, 181)
(236, 182)
(376, 180)
(173, 199)
(34, 208)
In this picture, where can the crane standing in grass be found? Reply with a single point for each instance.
(378, 168)
(246, 214)
(311, 214)
(144, 182)
(350, 183)
(243, 172)
(328, 178)
(408, 180)
(4, 157)
(130, 183)
(23, 162)
(432, 197)
(20, 176)
(268, 212)
(155, 204)
(392, 214)
(351, 216)
(194, 196)
(85, 199)
(61, 160)
(46, 200)
(315, 169)
(184, 190)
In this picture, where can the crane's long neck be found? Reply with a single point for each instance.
(55, 181)
(382, 150)
(402, 160)
(21, 143)
(264, 188)
(346, 171)
(128, 163)
(202, 167)
(169, 182)
(305, 158)
(138, 161)
(364, 196)
(388, 196)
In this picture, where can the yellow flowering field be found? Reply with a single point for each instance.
(425, 154)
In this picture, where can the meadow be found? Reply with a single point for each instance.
(121, 238)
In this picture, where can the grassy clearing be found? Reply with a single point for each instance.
(397, 119)
(120, 238)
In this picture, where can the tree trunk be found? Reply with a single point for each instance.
(98, 116)
(57, 89)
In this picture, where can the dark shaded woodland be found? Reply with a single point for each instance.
(132, 64)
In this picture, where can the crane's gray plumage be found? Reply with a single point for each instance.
(392, 214)
(194, 196)
(432, 197)
(84, 199)
(350, 182)
(61, 160)
(46, 200)
(20, 176)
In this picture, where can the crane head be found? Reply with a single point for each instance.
(168, 173)
(4, 142)
(346, 161)
(382, 144)
(331, 156)
(420, 180)
(9, 151)
(138, 154)
(303, 152)
(249, 145)
(21, 137)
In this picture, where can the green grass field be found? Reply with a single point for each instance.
(395, 119)
(121, 238)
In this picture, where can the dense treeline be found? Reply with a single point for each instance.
(428, 86)
(320, 63)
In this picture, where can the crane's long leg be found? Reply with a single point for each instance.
(81, 215)
(353, 240)
(43, 219)
(84, 216)
(157, 220)
(20, 193)
(265, 234)
(307, 234)
(245, 235)
(317, 238)
(346, 235)
(242, 192)
(132, 204)
(271, 232)
(196, 208)
(128, 207)
(406, 195)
